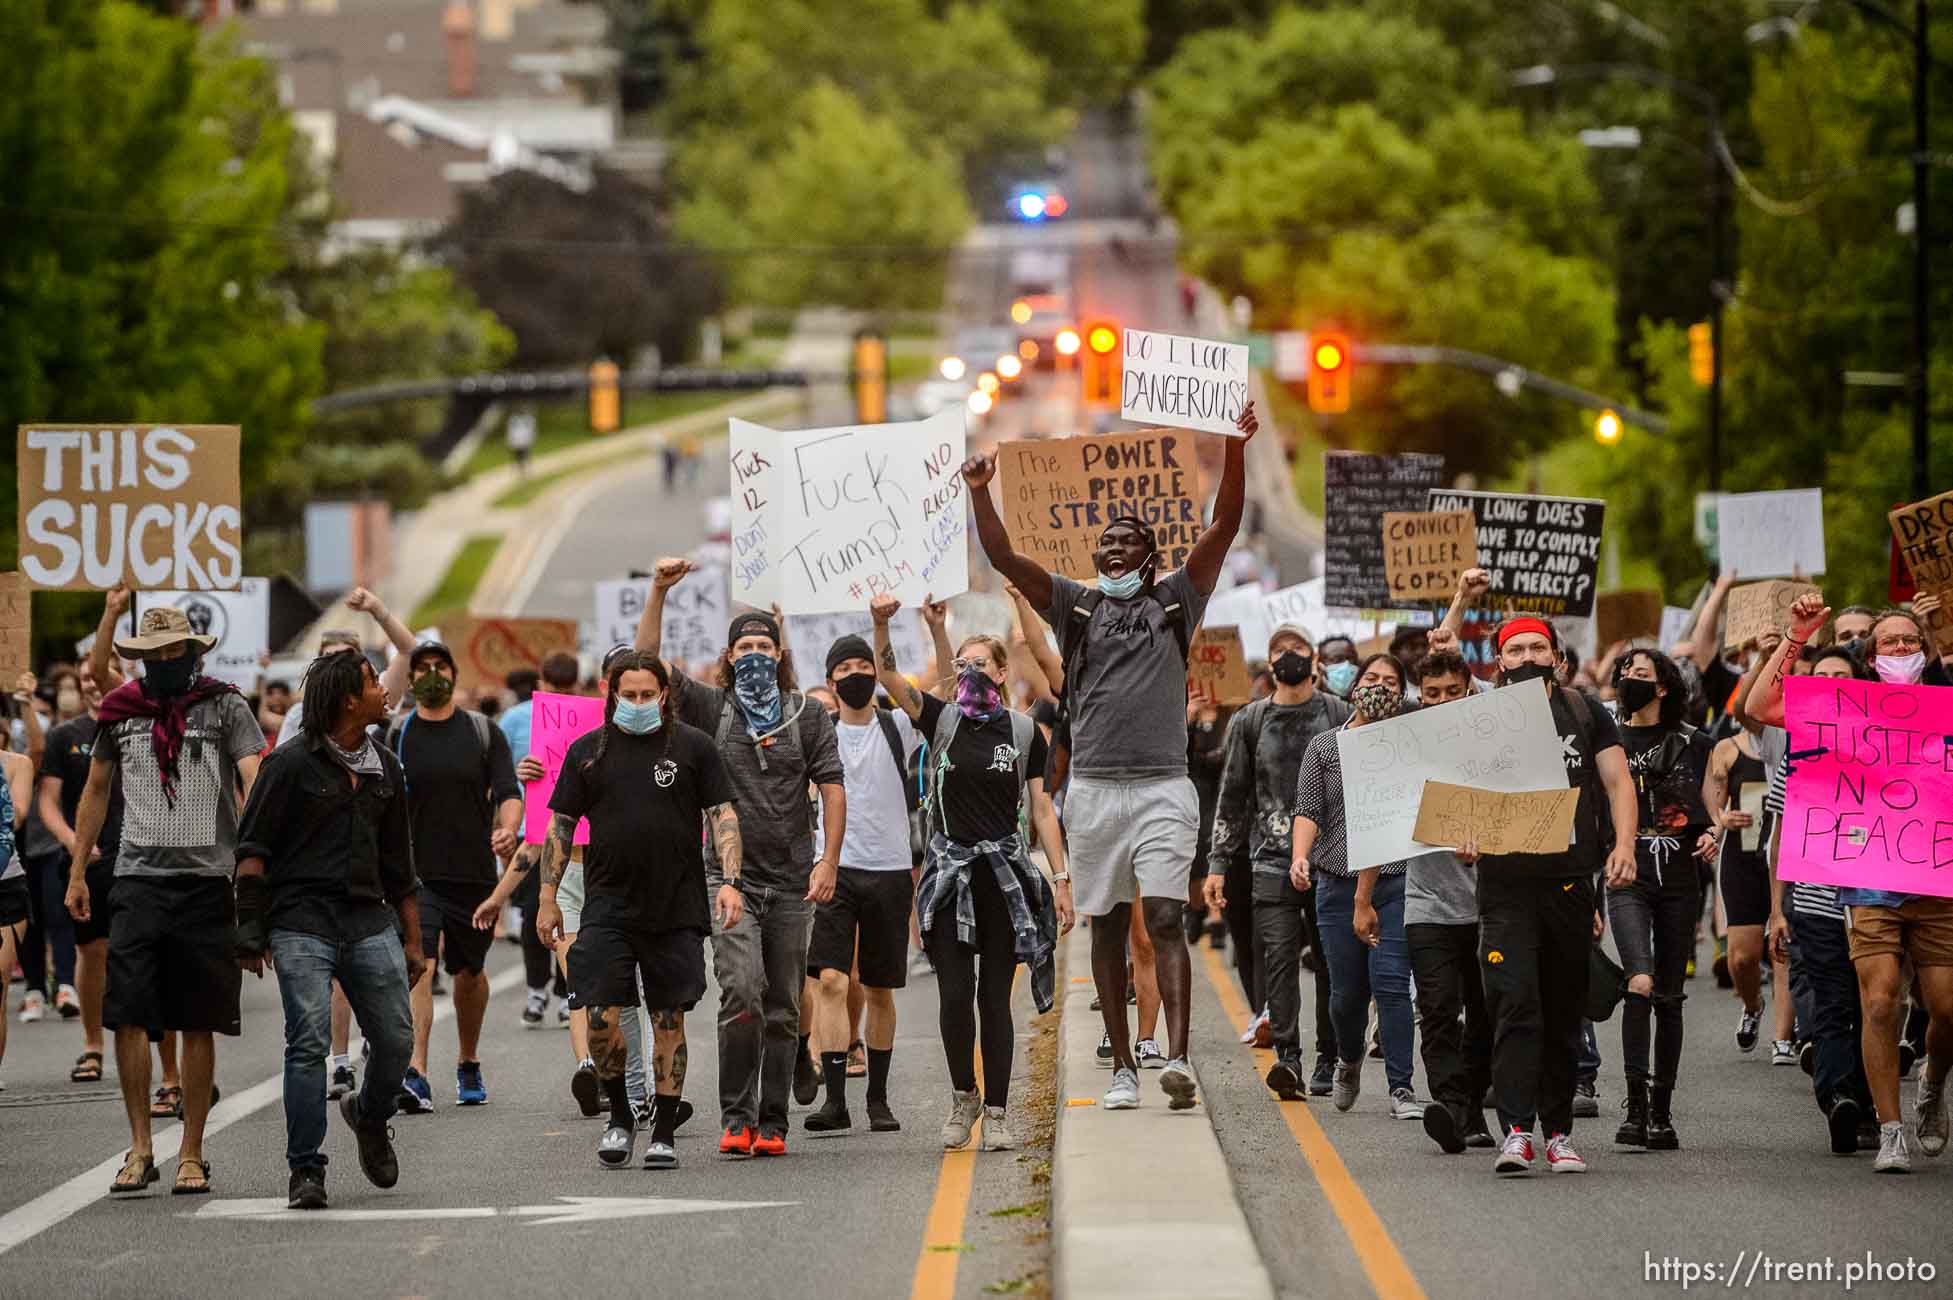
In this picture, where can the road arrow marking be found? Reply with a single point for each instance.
(570, 1209)
(590, 1209)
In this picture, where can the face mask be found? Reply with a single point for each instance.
(67, 700)
(856, 690)
(1292, 668)
(171, 676)
(979, 697)
(1635, 694)
(1123, 587)
(1526, 673)
(433, 689)
(1377, 701)
(638, 719)
(1339, 677)
(1901, 670)
(756, 686)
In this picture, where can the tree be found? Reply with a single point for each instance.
(1091, 51)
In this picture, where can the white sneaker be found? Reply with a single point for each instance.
(1405, 1105)
(1124, 1092)
(996, 1133)
(33, 1007)
(67, 1002)
(1931, 1105)
(1516, 1156)
(1782, 1052)
(1179, 1085)
(964, 1107)
(1254, 1026)
(1893, 1157)
(1149, 1054)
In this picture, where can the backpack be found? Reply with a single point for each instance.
(1249, 719)
(1583, 718)
(482, 737)
(1071, 653)
(1022, 731)
(893, 736)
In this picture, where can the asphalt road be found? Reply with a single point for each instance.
(837, 1216)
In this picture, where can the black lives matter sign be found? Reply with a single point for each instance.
(1358, 489)
(1543, 553)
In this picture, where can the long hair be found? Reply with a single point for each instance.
(1384, 656)
(788, 682)
(1667, 676)
(331, 682)
(999, 654)
(633, 661)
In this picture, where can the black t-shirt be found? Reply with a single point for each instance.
(1580, 749)
(646, 802)
(70, 752)
(980, 793)
(1668, 778)
(453, 790)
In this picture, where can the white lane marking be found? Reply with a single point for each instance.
(570, 1209)
(25, 1222)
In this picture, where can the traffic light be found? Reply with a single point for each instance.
(870, 378)
(1702, 354)
(603, 397)
(1102, 357)
(1607, 428)
(1329, 365)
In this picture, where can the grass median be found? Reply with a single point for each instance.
(457, 585)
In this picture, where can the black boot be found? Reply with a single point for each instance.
(1633, 1131)
(1661, 1125)
(1477, 1136)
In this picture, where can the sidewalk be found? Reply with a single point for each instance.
(1142, 1203)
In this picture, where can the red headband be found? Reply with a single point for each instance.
(1514, 626)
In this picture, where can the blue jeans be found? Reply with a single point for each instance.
(1358, 972)
(373, 973)
(760, 964)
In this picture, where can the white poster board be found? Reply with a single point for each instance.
(1303, 603)
(1175, 381)
(1498, 740)
(823, 520)
(1676, 620)
(240, 620)
(981, 613)
(811, 636)
(1246, 609)
(1772, 534)
(696, 615)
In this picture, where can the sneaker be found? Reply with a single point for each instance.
(1893, 1157)
(1149, 1054)
(587, 1088)
(614, 1148)
(1516, 1156)
(1178, 1083)
(1124, 1092)
(307, 1190)
(1476, 1134)
(1931, 1111)
(736, 1143)
(376, 1155)
(1349, 1085)
(1561, 1158)
(881, 1119)
(1103, 1052)
(1843, 1120)
(1441, 1126)
(1747, 1029)
(660, 1155)
(919, 965)
(770, 1144)
(1586, 1101)
(1807, 1058)
(562, 1015)
(806, 1080)
(1255, 1026)
(996, 1133)
(33, 1007)
(341, 1083)
(469, 1090)
(832, 1117)
(416, 1098)
(1405, 1105)
(964, 1107)
(532, 1010)
(1782, 1052)
(67, 1002)
(1264, 1032)
(1323, 1079)
(1285, 1078)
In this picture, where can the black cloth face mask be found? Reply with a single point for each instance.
(857, 690)
(1292, 668)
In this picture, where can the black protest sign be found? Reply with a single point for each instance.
(1358, 489)
(1543, 552)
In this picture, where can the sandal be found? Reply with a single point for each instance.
(88, 1068)
(857, 1060)
(197, 1184)
(168, 1103)
(137, 1173)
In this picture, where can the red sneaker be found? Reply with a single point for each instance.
(737, 1142)
(1516, 1156)
(770, 1144)
(1561, 1158)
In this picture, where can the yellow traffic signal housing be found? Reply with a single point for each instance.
(1702, 354)
(1100, 360)
(1329, 368)
(870, 378)
(603, 397)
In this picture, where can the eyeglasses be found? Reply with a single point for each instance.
(981, 665)
(1900, 641)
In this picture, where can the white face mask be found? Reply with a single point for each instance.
(1901, 670)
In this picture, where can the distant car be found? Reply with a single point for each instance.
(1039, 317)
(1037, 201)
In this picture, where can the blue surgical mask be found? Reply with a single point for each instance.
(1123, 587)
(638, 719)
(1339, 677)
(756, 686)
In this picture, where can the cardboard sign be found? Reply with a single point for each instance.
(555, 722)
(1216, 668)
(1626, 615)
(1423, 553)
(240, 620)
(1499, 821)
(16, 629)
(1500, 740)
(811, 636)
(1867, 803)
(1543, 552)
(1757, 609)
(153, 506)
(1057, 495)
(1358, 489)
(1185, 382)
(1923, 534)
(1771, 534)
(487, 650)
(824, 520)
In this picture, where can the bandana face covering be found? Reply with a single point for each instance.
(756, 687)
(433, 689)
(978, 696)
(171, 676)
(1377, 701)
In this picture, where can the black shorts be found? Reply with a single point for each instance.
(447, 911)
(1745, 889)
(606, 962)
(101, 900)
(875, 906)
(15, 902)
(170, 964)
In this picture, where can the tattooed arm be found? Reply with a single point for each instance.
(556, 861)
(723, 818)
(881, 610)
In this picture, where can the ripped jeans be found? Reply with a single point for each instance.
(1653, 921)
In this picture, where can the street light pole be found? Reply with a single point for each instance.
(1718, 239)
(1921, 243)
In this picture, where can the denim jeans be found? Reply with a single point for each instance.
(1821, 950)
(373, 973)
(1358, 972)
(760, 964)
(1653, 920)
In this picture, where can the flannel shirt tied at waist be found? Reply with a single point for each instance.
(1033, 912)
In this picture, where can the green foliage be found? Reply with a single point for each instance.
(457, 585)
(1092, 50)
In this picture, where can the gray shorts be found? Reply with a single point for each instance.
(1129, 839)
(569, 897)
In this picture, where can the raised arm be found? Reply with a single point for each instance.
(1702, 644)
(1210, 552)
(30, 722)
(651, 624)
(1765, 704)
(936, 614)
(1033, 581)
(1043, 653)
(881, 609)
(394, 678)
(102, 652)
(1472, 585)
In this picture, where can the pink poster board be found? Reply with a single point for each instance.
(1870, 798)
(555, 721)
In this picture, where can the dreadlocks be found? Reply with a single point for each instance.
(332, 683)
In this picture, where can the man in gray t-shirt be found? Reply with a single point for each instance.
(1132, 817)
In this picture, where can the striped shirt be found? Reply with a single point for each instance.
(1807, 899)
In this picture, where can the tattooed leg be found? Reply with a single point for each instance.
(669, 1057)
(607, 1050)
